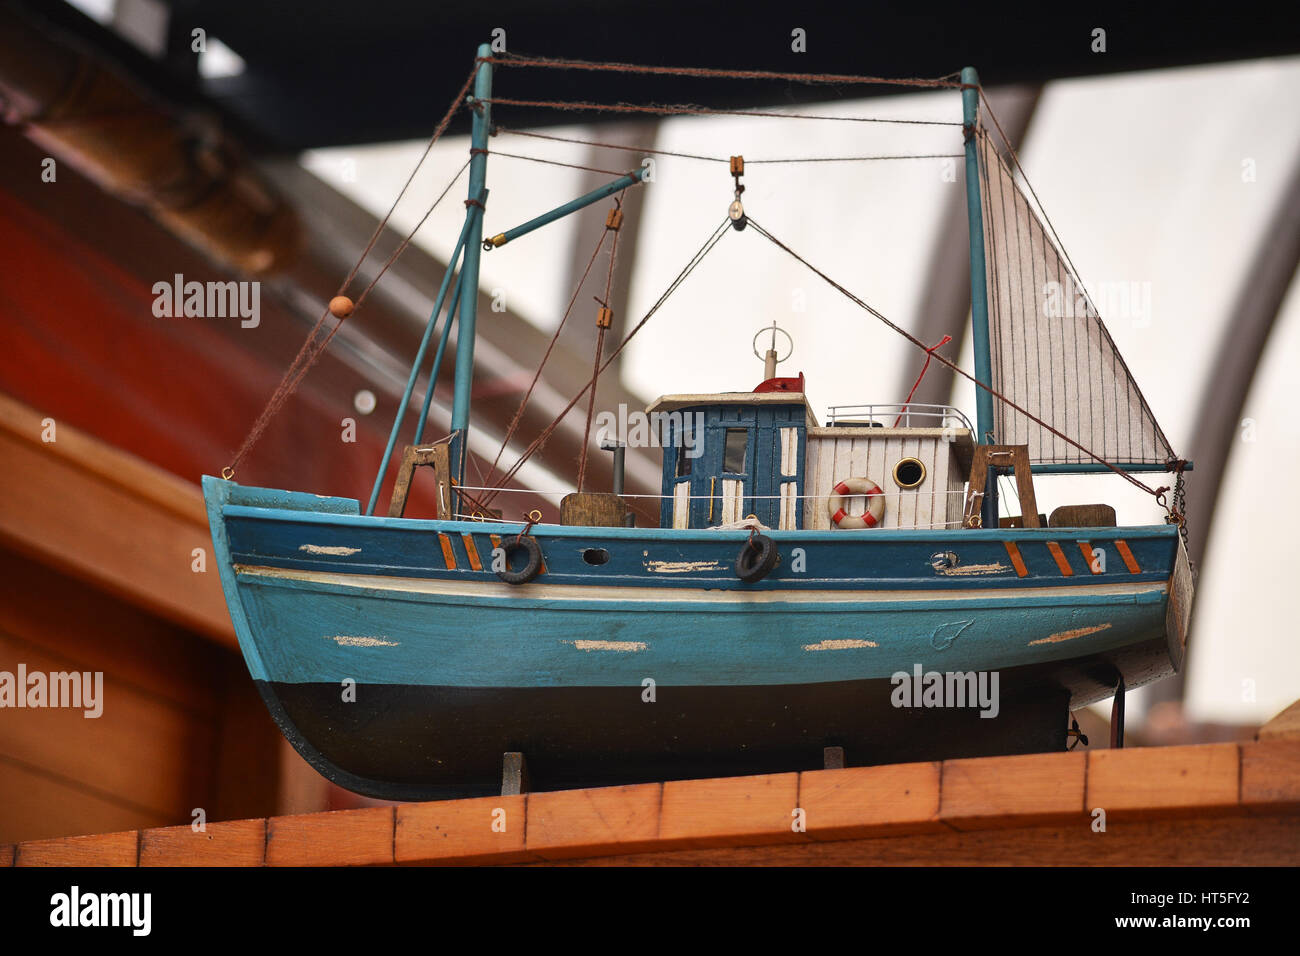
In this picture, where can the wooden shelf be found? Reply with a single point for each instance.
(102, 515)
(1209, 804)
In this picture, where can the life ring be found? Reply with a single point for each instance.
(870, 518)
(532, 565)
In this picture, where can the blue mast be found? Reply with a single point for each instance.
(979, 302)
(415, 367)
(481, 111)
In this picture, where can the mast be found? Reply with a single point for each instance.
(481, 111)
(979, 302)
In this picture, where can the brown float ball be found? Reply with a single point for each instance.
(341, 306)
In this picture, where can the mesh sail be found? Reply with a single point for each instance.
(1051, 354)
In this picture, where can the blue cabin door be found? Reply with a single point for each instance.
(722, 477)
(746, 462)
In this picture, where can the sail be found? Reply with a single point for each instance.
(1050, 352)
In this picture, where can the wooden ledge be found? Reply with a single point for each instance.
(1203, 804)
(109, 518)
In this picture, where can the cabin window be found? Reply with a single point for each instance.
(909, 473)
(733, 454)
(683, 458)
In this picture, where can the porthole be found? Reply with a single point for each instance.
(595, 555)
(909, 473)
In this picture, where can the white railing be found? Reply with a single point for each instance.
(898, 415)
(882, 494)
(937, 500)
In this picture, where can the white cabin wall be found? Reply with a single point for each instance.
(839, 453)
(955, 475)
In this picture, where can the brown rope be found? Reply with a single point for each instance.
(854, 159)
(707, 159)
(511, 59)
(406, 240)
(309, 352)
(519, 412)
(692, 110)
(538, 442)
(556, 162)
(600, 347)
(591, 404)
(592, 142)
(939, 358)
(461, 492)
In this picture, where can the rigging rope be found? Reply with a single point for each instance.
(714, 238)
(519, 412)
(592, 142)
(516, 59)
(708, 159)
(603, 320)
(576, 106)
(555, 162)
(1156, 493)
(310, 352)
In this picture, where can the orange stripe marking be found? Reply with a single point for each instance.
(448, 555)
(1013, 552)
(472, 551)
(1085, 548)
(1059, 555)
(1130, 562)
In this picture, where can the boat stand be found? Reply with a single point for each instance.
(514, 774)
(1117, 717)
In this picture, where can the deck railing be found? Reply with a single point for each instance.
(898, 415)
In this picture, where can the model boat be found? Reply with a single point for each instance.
(842, 584)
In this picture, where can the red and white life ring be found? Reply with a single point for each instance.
(870, 518)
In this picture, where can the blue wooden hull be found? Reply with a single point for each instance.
(450, 666)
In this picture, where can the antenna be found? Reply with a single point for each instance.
(770, 359)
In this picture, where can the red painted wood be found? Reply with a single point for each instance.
(81, 343)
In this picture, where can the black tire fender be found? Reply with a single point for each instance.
(757, 557)
(531, 567)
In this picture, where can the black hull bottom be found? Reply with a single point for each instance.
(402, 742)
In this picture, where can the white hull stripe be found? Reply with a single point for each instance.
(621, 595)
